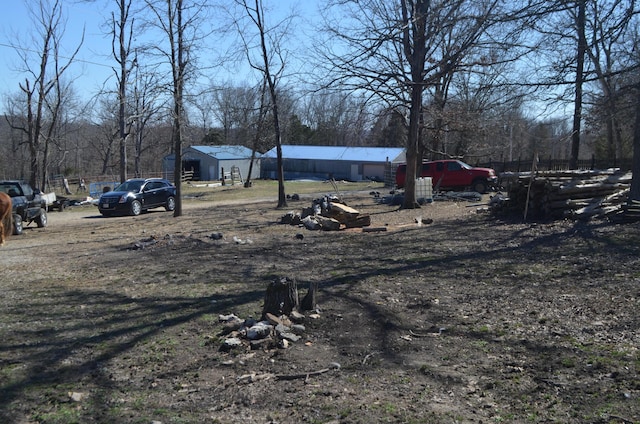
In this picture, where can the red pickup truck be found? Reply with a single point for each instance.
(452, 174)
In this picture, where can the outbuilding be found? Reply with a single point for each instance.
(211, 163)
(338, 162)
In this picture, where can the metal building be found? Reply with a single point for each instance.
(210, 163)
(338, 162)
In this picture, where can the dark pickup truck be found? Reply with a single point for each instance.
(28, 204)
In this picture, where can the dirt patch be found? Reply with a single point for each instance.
(468, 319)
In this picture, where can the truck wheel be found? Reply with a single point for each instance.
(17, 225)
(136, 208)
(480, 186)
(41, 220)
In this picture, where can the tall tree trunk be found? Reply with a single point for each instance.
(179, 66)
(634, 193)
(282, 199)
(414, 45)
(577, 112)
(177, 171)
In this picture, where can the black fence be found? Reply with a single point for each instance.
(523, 165)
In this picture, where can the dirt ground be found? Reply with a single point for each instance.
(469, 319)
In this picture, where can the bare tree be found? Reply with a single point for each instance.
(145, 105)
(260, 118)
(105, 134)
(337, 118)
(608, 23)
(178, 21)
(579, 81)
(270, 64)
(634, 193)
(42, 87)
(394, 51)
(122, 25)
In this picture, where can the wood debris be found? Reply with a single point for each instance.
(575, 195)
(329, 214)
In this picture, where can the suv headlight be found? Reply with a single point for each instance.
(124, 197)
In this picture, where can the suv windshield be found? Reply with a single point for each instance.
(130, 186)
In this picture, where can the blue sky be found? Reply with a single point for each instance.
(93, 66)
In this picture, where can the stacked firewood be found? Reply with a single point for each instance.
(568, 194)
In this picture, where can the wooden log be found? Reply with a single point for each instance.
(567, 204)
(344, 209)
(591, 188)
(342, 213)
(359, 221)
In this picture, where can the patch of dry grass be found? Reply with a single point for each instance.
(267, 189)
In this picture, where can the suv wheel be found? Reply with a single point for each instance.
(41, 220)
(17, 225)
(171, 204)
(136, 208)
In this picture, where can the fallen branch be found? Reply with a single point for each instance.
(253, 377)
(366, 358)
(623, 419)
(305, 375)
(374, 229)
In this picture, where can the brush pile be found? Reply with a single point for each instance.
(575, 195)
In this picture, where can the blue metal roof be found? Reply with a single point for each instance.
(341, 153)
(224, 152)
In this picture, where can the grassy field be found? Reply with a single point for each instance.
(259, 189)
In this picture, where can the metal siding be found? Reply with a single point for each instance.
(341, 153)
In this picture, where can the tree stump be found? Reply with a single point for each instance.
(281, 297)
(308, 302)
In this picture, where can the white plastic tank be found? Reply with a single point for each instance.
(424, 190)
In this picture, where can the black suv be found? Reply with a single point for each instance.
(28, 205)
(137, 195)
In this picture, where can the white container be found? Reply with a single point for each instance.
(424, 190)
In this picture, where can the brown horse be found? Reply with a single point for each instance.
(6, 217)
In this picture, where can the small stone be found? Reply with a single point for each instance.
(259, 331)
(283, 344)
(282, 329)
(231, 343)
(225, 318)
(289, 336)
(296, 317)
(261, 344)
(298, 329)
(311, 223)
(273, 319)
(76, 396)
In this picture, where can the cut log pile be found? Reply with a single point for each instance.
(569, 194)
(327, 213)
